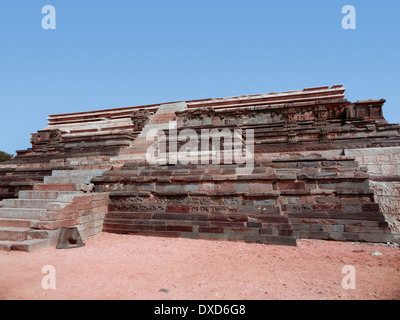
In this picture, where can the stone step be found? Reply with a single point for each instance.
(38, 214)
(157, 222)
(27, 203)
(22, 213)
(103, 167)
(288, 231)
(68, 180)
(55, 224)
(14, 234)
(20, 234)
(27, 245)
(37, 224)
(146, 227)
(140, 156)
(77, 173)
(272, 218)
(37, 194)
(17, 223)
(134, 149)
(186, 229)
(54, 187)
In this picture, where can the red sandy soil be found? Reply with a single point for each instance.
(113, 266)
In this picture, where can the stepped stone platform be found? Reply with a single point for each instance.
(35, 218)
(317, 166)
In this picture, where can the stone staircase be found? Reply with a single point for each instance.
(49, 197)
(163, 119)
(34, 220)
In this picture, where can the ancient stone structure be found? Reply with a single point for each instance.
(322, 168)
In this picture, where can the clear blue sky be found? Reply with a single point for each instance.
(119, 53)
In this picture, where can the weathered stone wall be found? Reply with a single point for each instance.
(379, 161)
(383, 167)
(91, 210)
(303, 197)
(387, 194)
(324, 168)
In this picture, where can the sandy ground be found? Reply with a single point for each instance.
(113, 266)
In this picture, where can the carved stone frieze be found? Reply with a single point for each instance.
(140, 118)
(46, 137)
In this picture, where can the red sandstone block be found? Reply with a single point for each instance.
(285, 232)
(51, 216)
(199, 223)
(180, 222)
(84, 206)
(211, 229)
(84, 219)
(160, 227)
(99, 203)
(268, 231)
(318, 235)
(87, 225)
(259, 186)
(226, 186)
(222, 236)
(180, 216)
(266, 218)
(50, 225)
(281, 240)
(316, 227)
(16, 223)
(54, 187)
(33, 244)
(139, 227)
(215, 170)
(376, 237)
(243, 230)
(226, 224)
(14, 234)
(82, 199)
(168, 234)
(254, 224)
(291, 185)
(103, 209)
(251, 238)
(190, 235)
(370, 207)
(237, 217)
(59, 206)
(366, 229)
(218, 217)
(180, 228)
(87, 233)
(87, 212)
(115, 227)
(344, 236)
(131, 215)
